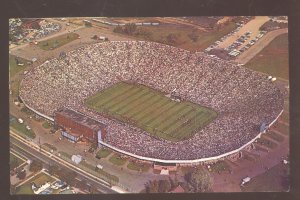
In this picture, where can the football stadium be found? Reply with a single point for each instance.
(156, 102)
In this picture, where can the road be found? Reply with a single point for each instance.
(32, 153)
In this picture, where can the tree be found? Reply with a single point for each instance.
(164, 186)
(152, 187)
(82, 185)
(172, 38)
(130, 28)
(200, 181)
(53, 169)
(21, 174)
(118, 29)
(69, 177)
(35, 166)
(12, 189)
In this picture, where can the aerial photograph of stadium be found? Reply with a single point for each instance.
(194, 104)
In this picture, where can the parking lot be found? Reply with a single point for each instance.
(242, 38)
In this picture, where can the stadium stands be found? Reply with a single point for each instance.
(243, 98)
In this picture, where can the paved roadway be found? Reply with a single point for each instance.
(33, 153)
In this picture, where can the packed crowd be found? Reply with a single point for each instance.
(243, 99)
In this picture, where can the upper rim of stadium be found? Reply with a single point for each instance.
(242, 97)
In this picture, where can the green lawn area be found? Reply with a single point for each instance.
(151, 111)
(267, 143)
(138, 166)
(13, 67)
(117, 160)
(15, 161)
(27, 111)
(160, 34)
(273, 59)
(58, 41)
(39, 179)
(220, 166)
(103, 153)
(21, 128)
(46, 125)
(275, 179)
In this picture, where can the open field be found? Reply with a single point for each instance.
(273, 59)
(57, 41)
(39, 179)
(181, 35)
(14, 68)
(275, 179)
(21, 128)
(151, 111)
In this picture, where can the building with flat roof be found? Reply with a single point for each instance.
(75, 126)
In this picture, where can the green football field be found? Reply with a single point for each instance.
(151, 111)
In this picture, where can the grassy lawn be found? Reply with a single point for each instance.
(58, 41)
(275, 179)
(117, 160)
(273, 59)
(21, 128)
(64, 154)
(38, 180)
(103, 153)
(138, 166)
(220, 166)
(14, 161)
(160, 34)
(151, 111)
(27, 111)
(46, 125)
(267, 143)
(13, 67)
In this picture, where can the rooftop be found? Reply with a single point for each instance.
(81, 119)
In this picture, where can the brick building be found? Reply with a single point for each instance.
(75, 126)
